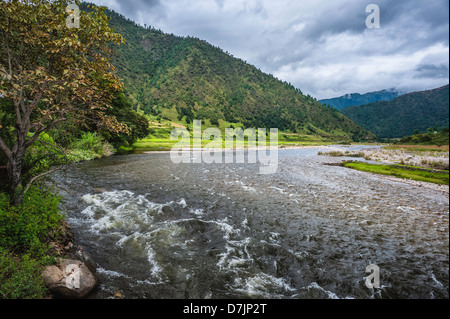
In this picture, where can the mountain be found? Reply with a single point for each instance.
(360, 99)
(185, 78)
(403, 115)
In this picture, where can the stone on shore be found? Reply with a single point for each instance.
(70, 279)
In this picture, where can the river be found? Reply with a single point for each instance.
(155, 229)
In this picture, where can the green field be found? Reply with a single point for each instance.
(159, 139)
(165, 144)
(402, 171)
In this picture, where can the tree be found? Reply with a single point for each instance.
(136, 122)
(52, 73)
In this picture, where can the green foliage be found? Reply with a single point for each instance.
(90, 146)
(91, 141)
(25, 232)
(432, 137)
(137, 123)
(402, 171)
(28, 227)
(403, 115)
(20, 277)
(41, 156)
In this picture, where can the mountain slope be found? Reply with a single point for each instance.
(361, 99)
(182, 79)
(403, 115)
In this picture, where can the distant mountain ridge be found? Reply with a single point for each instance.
(361, 99)
(403, 115)
(185, 78)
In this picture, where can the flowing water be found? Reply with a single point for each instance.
(156, 229)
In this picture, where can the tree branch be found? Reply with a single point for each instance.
(49, 146)
(40, 176)
(7, 47)
(43, 128)
(5, 149)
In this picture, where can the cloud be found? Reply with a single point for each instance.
(432, 71)
(220, 3)
(142, 11)
(321, 47)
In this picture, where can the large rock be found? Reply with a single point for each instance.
(70, 278)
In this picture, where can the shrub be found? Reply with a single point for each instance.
(90, 146)
(20, 278)
(28, 227)
(79, 155)
(25, 231)
(90, 141)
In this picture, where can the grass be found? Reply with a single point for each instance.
(159, 139)
(154, 143)
(165, 144)
(401, 171)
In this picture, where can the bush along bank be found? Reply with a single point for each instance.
(89, 147)
(26, 236)
(35, 241)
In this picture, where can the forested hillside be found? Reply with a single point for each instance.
(181, 79)
(360, 99)
(405, 114)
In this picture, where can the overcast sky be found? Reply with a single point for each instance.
(322, 47)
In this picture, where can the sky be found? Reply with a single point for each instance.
(324, 48)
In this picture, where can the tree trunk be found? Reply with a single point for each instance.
(15, 179)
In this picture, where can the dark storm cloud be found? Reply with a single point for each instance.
(411, 24)
(334, 19)
(323, 47)
(135, 6)
(432, 71)
(141, 11)
(432, 12)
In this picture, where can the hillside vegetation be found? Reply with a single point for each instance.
(433, 136)
(404, 115)
(360, 99)
(181, 79)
